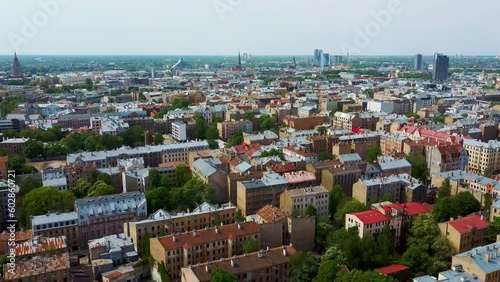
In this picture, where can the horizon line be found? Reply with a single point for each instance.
(257, 55)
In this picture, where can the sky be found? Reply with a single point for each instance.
(258, 27)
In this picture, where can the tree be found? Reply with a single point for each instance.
(266, 122)
(327, 271)
(212, 144)
(441, 248)
(323, 231)
(444, 209)
(272, 152)
(372, 153)
(336, 197)
(384, 246)
(164, 275)
(303, 267)
(33, 149)
(311, 210)
(9, 133)
(488, 201)
(349, 206)
(416, 259)
(100, 188)
(493, 230)
(28, 185)
(82, 188)
(89, 85)
(16, 162)
(200, 127)
(158, 139)
(237, 139)
(180, 103)
(212, 133)
(321, 130)
(419, 168)
(466, 203)
(248, 116)
(220, 275)
(182, 174)
(325, 156)
(145, 245)
(423, 232)
(358, 275)
(133, 136)
(445, 189)
(42, 200)
(335, 254)
(239, 216)
(250, 246)
(157, 198)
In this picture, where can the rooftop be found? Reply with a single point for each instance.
(40, 244)
(111, 241)
(299, 176)
(486, 257)
(392, 269)
(370, 216)
(307, 191)
(37, 266)
(246, 263)
(467, 224)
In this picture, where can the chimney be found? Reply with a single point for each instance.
(194, 233)
(232, 263)
(206, 268)
(261, 254)
(284, 252)
(173, 238)
(239, 226)
(216, 230)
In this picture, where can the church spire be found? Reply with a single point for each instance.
(239, 60)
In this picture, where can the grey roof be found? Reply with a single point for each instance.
(453, 276)
(111, 204)
(53, 217)
(426, 278)
(111, 241)
(95, 156)
(204, 167)
(350, 158)
(477, 256)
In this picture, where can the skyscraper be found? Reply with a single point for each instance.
(325, 60)
(440, 67)
(16, 67)
(240, 67)
(418, 62)
(317, 57)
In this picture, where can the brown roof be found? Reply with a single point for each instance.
(270, 213)
(187, 240)
(245, 263)
(326, 164)
(344, 169)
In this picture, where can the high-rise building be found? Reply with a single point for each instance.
(338, 60)
(318, 54)
(418, 62)
(440, 67)
(325, 60)
(16, 67)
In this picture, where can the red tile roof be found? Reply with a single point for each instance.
(413, 208)
(392, 269)
(371, 216)
(270, 213)
(466, 224)
(187, 240)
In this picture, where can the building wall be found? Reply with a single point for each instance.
(302, 233)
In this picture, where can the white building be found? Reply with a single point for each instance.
(380, 106)
(179, 130)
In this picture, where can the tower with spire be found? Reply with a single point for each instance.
(16, 67)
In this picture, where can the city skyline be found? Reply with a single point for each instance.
(223, 27)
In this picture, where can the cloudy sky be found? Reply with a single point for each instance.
(259, 27)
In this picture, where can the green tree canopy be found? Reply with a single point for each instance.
(493, 230)
(419, 167)
(220, 275)
(100, 188)
(445, 189)
(27, 185)
(303, 267)
(42, 200)
(444, 209)
(327, 272)
(336, 197)
(311, 210)
(372, 153)
(466, 203)
(358, 275)
(266, 122)
(250, 246)
(349, 206)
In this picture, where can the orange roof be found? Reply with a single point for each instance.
(40, 244)
(270, 213)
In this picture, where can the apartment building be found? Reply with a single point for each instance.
(54, 177)
(397, 216)
(14, 145)
(233, 178)
(346, 121)
(58, 224)
(300, 179)
(356, 143)
(265, 138)
(402, 187)
(209, 171)
(199, 246)
(390, 166)
(317, 168)
(152, 155)
(229, 129)
(465, 233)
(264, 265)
(256, 193)
(40, 259)
(105, 215)
(446, 157)
(481, 262)
(108, 252)
(297, 200)
(483, 156)
(77, 171)
(391, 144)
(302, 154)
(322, 144)
(179, 130)
(4, 163)
(163, 222)
(305, 123)
(345, 176)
